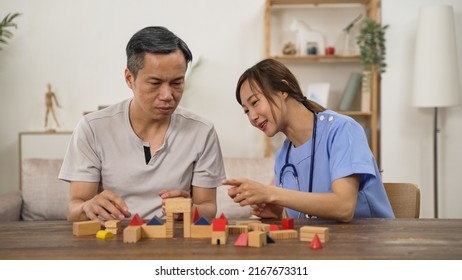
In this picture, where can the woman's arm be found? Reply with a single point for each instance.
(339, 205)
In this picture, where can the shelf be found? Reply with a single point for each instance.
(317, 2)
(329, 18)
(355, 113)
(318, 58)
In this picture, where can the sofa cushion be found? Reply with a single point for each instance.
(10, 209)
(44, 196)
(257, 169)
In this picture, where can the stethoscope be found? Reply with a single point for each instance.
(288, 165)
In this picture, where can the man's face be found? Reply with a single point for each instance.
(159, 85)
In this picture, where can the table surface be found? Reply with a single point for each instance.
(393, 239)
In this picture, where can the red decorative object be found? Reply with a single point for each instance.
(330, 50)
(316, 243)
(222, 216)
(219, 224)
(242, 240)
(136, 221)
(287, 223)
(196, 215)
(273, 227)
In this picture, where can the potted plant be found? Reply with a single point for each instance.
(371, 43)
(6, 23)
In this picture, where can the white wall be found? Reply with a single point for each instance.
(407, 132)
(78, 47)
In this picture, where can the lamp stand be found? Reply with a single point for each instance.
(435, 162)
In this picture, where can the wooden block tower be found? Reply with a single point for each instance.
(178, 205)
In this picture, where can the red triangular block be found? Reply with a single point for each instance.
(223, 217)
(242, 240)
(136, 221)
(195, 215)
(316, 243)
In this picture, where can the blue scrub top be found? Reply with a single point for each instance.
(341, 150)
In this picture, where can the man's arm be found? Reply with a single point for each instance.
(80, 192)
(205, 199)
(86, 204)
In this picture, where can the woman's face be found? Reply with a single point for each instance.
(258, 109)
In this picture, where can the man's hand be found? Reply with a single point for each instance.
(164, 194)
(106, 206)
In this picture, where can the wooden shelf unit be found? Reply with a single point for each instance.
(371, 10)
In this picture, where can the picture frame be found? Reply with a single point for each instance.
(319, 93)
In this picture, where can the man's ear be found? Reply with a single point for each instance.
(129, 79)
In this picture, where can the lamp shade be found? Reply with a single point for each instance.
(436, 71)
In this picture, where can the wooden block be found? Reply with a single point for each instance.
(219, 225)
(287, 223)
(178, 205)
(155, 221)
(202, 221)
(307, 233)
(219, 237)
(259, 227)
(132, 234)
(308, 237)
(246, 222)
(273, 227)
(86, 227)
(283, 234)
(169, 225)
(113, 230)
(196, 215)
(136, 221)
(222, 216)
(313, 229)
(153, 231)
(256, 239)
(113, 226)
(242, 240)
(187, 224)
(104, 234)
(235, 229)
(201, 231)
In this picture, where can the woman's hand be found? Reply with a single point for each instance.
(248, 192)
(266, 211)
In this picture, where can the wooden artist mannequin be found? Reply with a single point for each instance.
(49, 98)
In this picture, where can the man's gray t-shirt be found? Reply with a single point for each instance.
(104, 148)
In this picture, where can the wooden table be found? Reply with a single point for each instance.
(387, 239)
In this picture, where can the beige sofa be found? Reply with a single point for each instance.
(44, 197)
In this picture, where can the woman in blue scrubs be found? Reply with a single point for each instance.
(324, 168)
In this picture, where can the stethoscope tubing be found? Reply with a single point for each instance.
(294, 169)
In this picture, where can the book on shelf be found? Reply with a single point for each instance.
(352, 88)
(366, 92)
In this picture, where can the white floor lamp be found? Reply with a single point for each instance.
(436, 71)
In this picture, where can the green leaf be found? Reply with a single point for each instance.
(371, 42)
(7, 22)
